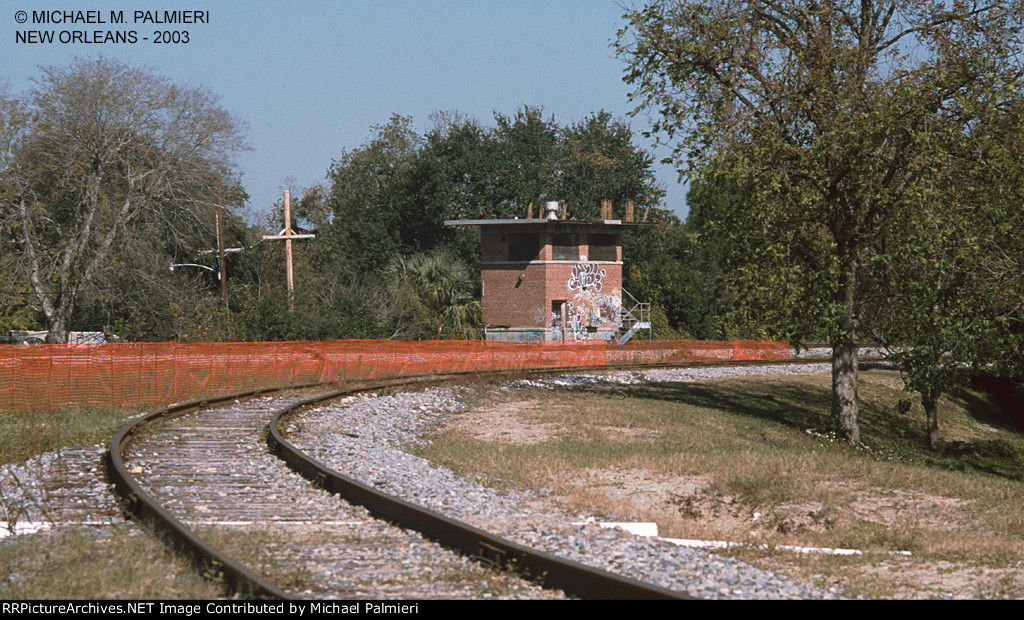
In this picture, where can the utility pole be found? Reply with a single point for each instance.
(286, 235)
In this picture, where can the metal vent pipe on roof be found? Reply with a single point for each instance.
(552, 210)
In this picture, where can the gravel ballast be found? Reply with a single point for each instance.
(367, 437)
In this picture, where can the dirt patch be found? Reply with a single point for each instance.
(523, 423)
(895, 508)
(686, 501)
(697, 499)
(512, 423)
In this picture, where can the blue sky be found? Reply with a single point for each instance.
(312, 78)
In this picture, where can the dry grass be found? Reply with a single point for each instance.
(259, 550)
(115, 563)
(746, 460)
(24, 434)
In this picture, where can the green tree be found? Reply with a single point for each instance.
(526, 158)
(16, 311)
(372, 212)
(762, 274)
(669, 265)
(102, 160)
(600, 162)
(456, 171)
(391, 196)
(942, 320)
(475, 172)
(142, 300)
(468, 171)
(385, 207)
(952, 283)
(825, 114)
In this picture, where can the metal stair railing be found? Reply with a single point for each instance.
(634, 318)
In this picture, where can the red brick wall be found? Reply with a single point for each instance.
(506, 304)
(529, 304)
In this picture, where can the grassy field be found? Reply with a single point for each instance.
(748, 460)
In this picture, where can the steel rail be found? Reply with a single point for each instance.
(138, 504)
(548, 570)
(143, 507)
(556, 572)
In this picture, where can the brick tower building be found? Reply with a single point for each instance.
(554, 279)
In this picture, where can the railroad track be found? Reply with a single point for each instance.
(65, 487)
(202, 473)
(212, 471)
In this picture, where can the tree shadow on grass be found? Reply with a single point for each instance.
(1001, 456)
(790, 406)
(888, 433)
(1008, 414)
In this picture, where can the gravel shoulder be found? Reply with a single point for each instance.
(368, 438)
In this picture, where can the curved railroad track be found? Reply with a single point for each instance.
(205, 474)
(210, 471)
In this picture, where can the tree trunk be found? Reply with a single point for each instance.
(60, 323)
(930, 402)
(845, 352)
(844, 392)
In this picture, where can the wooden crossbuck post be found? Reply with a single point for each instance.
(286, 235)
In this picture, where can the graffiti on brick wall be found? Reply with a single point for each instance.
(590, 308)
(587, 276)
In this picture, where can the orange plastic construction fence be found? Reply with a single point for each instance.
(46, 377)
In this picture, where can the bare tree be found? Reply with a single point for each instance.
(97, 156)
